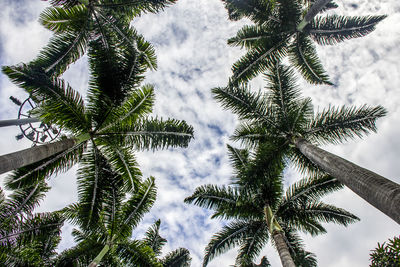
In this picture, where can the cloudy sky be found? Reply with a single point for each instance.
(190, 40)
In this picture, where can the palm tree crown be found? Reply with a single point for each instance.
(260, 208)
(284, 27)
(283, 121)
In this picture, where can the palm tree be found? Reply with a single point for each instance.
(107, 217)
(79, 24)
(114, 121)
(284, 27)
(27, 238)
(177, 258)
(261, 210)
(284, 120)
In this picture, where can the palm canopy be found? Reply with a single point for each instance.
(275, 117)
(78, 24)
(114, 122)
(258, 193)
(27, 238)
(280, 29)
(106, 218)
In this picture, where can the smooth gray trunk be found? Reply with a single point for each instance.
(283, 249)
(312, 12)
(99, 257)
(380, 192)
(16, 122)
(31, 155)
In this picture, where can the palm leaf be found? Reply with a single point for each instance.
(153, 238)
(333, 29)
(177, 258)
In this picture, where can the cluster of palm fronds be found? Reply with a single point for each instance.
(103, 132)
(278, 127)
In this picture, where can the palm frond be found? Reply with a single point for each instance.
(258, 11)
(64, 3)
(303, 56)
(213, 197)
(137, 205)
(336, 125)
(177, 258)
(60, 20)
(259, 59)
(300, 256)
(153, 238)
(151, 133)
(333, 29)
(136, 253)
(239, 158)
(253, 36)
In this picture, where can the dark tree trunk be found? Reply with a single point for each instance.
(380, 192)
(283, 249)
(17, 122)
(31, 155)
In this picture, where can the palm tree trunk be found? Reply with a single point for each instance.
(99, 257)
(17, 122)
(31, 155)
(380, 192)
(283, 249)
(312, 12)
(277, 234)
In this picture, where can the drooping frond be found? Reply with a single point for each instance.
(300, 256)
(177, 258)
(153, 238)
(303, 56)
(213, 197)
(61, 20)
(336, 125)
(64, 3)
(230, 236)
(151, 134)
(333, 29)
(258, 11)
(249, 134)
(252, 245)
(136, 253)
(238, 158)
(252, 36)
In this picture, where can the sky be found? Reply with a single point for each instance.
(190, 41)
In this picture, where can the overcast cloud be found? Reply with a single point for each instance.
(190, 40)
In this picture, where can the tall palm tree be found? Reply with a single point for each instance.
(79, 24)
(260, 209)
(280, 117)
(177, 258)
(107, 217)
(284, 27)
(27, 238)
(114, 121)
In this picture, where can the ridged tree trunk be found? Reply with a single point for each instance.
(31, 155)
(380, 192)
(279, 238)
(283, 249)
(16, 122)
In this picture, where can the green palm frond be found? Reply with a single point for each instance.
(139, 103)
(300, 256)
(153, 238)
(151, 133)
(303, 56)
(137, 205)
(177, 258)
(259, 59)
(310, 189)
(249, 134)
(213, 197)
(252, 245)
(252, 36)
(64, 3)
(60, 20)
(79, 255)
(238, 158)
(336, 125)
(246, 104)
(333, 29)
(258, 11)
(230, 236)
(136, 253)
(123, 162)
